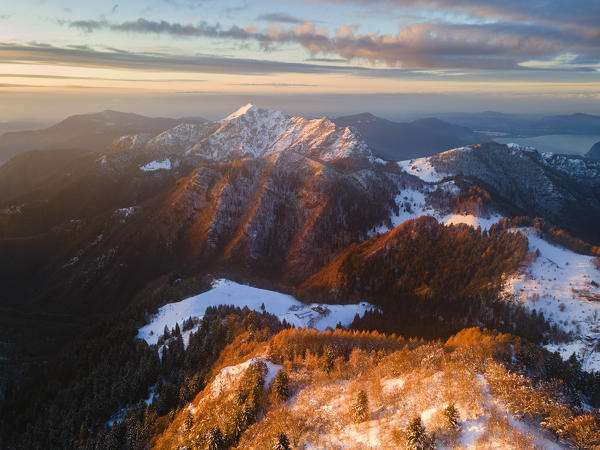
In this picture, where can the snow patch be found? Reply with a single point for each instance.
(165, 164)
(228, 376)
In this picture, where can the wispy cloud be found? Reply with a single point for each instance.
(82, 56)
(279, 17)
(66, 77)
(274, 84)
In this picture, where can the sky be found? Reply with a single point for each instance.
(206, 57)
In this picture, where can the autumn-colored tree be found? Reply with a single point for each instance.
(583, 431)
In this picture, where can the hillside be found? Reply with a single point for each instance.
(319, 404)
(563, 189)
(245, 381)
(594, 152)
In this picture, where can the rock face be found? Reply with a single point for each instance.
(594, 152)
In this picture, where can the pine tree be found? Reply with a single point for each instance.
(188, 421)
(360, 410)
(214, 440)
(416, 437)
(282, 443)
(327, 359)
(281, 385)
(452, 417)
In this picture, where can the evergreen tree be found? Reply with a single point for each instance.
(188, 421)
(416, 436)
(360, 409)
(282, 443)
(281, 385)
(452, 417)
(214, 440)
(328, 358)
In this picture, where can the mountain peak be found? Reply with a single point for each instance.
(253, 112)
(241, 111)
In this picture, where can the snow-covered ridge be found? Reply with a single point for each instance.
(225, 292)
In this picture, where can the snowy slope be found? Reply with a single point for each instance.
(226, 292)
(564, 286)
(421, 168)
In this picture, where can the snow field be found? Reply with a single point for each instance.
(226, 292)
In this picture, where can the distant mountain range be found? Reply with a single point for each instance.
(400, 141)
(88, 132)
(523, 125)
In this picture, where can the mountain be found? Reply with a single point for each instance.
(400, 141)
(89, 132)
(577, 123)
(258, 189)
(258, 193)
(126, 256)
(594, 152)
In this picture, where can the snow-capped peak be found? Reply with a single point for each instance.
(253, 113)
(252, 132)
(240, 112)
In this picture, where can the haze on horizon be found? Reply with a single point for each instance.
(207, 57)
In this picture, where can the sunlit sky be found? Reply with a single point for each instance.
(202, 57)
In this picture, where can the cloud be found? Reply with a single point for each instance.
(89, 25)
(274, 84)
(279, 17)
(497, 46)
(561, 12)
(66, 77)
(83, 56)
(326, 60)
